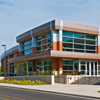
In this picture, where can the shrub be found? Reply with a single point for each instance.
(23, 82)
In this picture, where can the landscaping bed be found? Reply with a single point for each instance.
(99, 91)
(23, 82)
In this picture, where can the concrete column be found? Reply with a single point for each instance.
(90, 68)
(93, 68)
(86, 68)
(79, 66)
(27, 68)
(97, 67)
(54, 37)
(33, 43)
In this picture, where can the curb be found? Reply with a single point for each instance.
(58, 93)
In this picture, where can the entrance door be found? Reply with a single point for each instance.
(91, 67)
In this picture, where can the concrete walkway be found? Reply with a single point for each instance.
(80, 90)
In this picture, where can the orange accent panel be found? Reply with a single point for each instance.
(54, 46)
(53, 64)
(20, 53)
(33, 50)
(59, 46)
(98, 49)
(34, 66)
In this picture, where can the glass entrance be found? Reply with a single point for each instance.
(91, 68)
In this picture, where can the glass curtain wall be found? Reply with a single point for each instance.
(98, 67)
(76, 42)
(26, 47)
(44, 66)
(43, 42)
(70, 66)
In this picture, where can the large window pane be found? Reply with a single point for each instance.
(90, 51)
(79, 35)
(38, 48)
(44, 41)
(27, 42)
(38, 38)
(27, 52)
(78, 41)
(90, 37)
(67, 39)
(64, 49)
(38, 43)
(68, 34)
(68, 62)
(78, 50)
(78, 46)
(67, 45)
(27, 47)
(90, 42)
(44, 47)
(90, 47)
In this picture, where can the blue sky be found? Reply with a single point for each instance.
(18, 16)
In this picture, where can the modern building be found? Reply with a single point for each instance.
(57, 46)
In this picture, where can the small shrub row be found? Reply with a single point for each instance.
(99, 91)
(23, 82)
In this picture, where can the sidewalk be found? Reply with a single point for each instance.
(78, 90)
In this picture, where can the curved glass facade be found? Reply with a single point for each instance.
(26, 47)
(43, 42)
(76, 42)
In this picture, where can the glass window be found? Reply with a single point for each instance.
(30, 66)
(78, 50)
(44, 41)
(38, 43)
(67, 45)
(67, 39)
(44, 47)
(64, 49)
(90, 51)
(68, 34)
(27, 52)
(90, 37)
(26, 43)
(90, 42)
(83, 61)
(82, 67)
(43, 44)
(79, 35)
(27, 47)
(67, 67)
(49, 40)
(78, 46)
(38, 38)
(90, 47)
(78, 41)
(68, 62)
(38, 48)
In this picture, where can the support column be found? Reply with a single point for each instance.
(98, 46)
(89, 68)
(60, 37)
(33, 43)
(93, 68)
(79, 66)
(54, 64)
(34, 66)
(20, 51)
(60, 65)
(86, 68)
(54, 36)
(27, 68)
(97, 67)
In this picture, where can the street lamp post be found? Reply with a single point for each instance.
(5, 60)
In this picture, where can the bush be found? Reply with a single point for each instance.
(23, 82)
